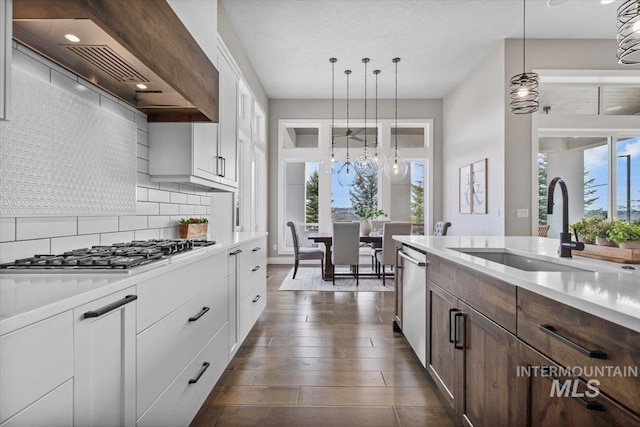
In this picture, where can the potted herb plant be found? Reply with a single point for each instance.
(586, 229)
(193, 227)
(625, 234)
(603, 232)
(366, 214)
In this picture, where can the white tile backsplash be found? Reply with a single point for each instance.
(7, 229)
(43, 227)
(159, 196)
(169, 209)
(147, 234)
(143, 152)
(26, 63)
(72, 86)
(169, 233)
(147, 208)
(116, 108)
(169, 186)
(145, 181)
(193, 200)
(142, 195)
(142, 123)
(121, 237)
(200, 210)
(63, 244)
(132, 223)
(97, 224)
(143, 165)
(178, 198)
(143, 137)
(12, 251)
(162, 221)
(186, 209)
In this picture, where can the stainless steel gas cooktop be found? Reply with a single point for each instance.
(116, 257)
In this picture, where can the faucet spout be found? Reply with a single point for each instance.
(566, 245)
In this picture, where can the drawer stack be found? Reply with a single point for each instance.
(252, 285)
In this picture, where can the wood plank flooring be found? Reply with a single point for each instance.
(324, 359)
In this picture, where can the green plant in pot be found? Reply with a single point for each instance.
(192, 227)
(603, 232)
(625, 234)
(366, 214)
(587, 229)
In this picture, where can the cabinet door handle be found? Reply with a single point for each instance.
(205, 366)
(224, 167)
(452, 339)
(256, 298)
(199, 315)
(256, 249)
(412, 260)
(236, 252)
(456, 344)
(591, 405)
(256, 268)
(594, 354)
(110, 307)
(218, 165)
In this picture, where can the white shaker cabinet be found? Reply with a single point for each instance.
(234, 325)
(5, 57)
(105, 361)
(228, 124)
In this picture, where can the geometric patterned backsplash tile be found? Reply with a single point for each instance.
(63, 156)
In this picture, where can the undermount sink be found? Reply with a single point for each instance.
(520, 262)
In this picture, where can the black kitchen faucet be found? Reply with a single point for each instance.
(566, 245)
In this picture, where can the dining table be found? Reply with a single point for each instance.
(327, 239)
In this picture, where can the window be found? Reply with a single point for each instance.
(301, 200)
(628, 179)
(352, 194)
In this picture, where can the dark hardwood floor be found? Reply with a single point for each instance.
(324, 359)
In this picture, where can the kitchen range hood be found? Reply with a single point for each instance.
(139, 51)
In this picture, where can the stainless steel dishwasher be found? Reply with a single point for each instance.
(411, 304)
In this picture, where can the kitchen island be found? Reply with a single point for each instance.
(490, 327)
(142, 347)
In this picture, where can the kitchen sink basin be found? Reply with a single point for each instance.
(521, 262)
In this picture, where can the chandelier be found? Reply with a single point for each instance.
(395, 168)
(366, 164)
(629, 33)
(523, 90)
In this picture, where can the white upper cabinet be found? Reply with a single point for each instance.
(228, 124)
(5, 57)
(245, 110)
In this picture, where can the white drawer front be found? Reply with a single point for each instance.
(33, 361)
(253, 251)
(251, 276)
(165, 348)
(161, 295)
(251, 308)
(180, 402)
(54, 409)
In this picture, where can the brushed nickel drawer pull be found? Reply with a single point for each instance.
(591, 405)
(199, 315)
(256, 298)
(110, 307)
(256, 268)
(412, 260)
(205, 366)
(594, 354)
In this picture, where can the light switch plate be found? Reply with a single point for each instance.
(522, 213)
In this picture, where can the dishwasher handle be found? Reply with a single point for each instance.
(412, 260)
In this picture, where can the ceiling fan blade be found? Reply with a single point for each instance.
(356, 138)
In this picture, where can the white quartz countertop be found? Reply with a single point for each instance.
(26, 298)
(607, 291)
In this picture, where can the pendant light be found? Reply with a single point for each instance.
(523, 90)
(396, 169)
(328, 161)
(365, 163)
(629, 33)
(378, 155)
(347, 171)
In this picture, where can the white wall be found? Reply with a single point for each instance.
(158, 206)
(473, 130)
(321, 109)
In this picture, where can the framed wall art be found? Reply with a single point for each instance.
(479, 187)
(465, 190)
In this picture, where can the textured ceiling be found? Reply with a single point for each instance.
(290, 42)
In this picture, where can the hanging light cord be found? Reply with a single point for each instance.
(524, 40)
(396, 60)
(365, 60)
(333, 83)
(376, 152)
(347, 72)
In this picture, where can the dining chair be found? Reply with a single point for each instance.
(441, 227)
(346, 247)
(304, 253)
(376, 246)
(387, 256)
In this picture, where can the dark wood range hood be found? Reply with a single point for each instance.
(124, 43)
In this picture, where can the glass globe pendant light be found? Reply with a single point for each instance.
(365, 164)
(396, 169)
(378, 155)
(347, 171)
(328, 160)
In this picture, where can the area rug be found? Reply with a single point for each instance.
(310, 279)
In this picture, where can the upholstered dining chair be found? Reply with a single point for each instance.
(346, 247)
(387, 256)
(304, 253)
(441, 227)
(375, 246)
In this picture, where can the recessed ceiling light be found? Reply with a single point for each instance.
(556, 3)
(141, 86)
(607, 1)
(614, 108)
(72, 38)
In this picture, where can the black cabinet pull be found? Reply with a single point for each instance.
(218, 165)
(594, 354)
(591, 405)
(256, 249)
(205, 366)
(236, 252)
(456, 344)
(107, 308)
(452, 339)
(256, 268)
(256, 298)
(224, 167)
(199, 315)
